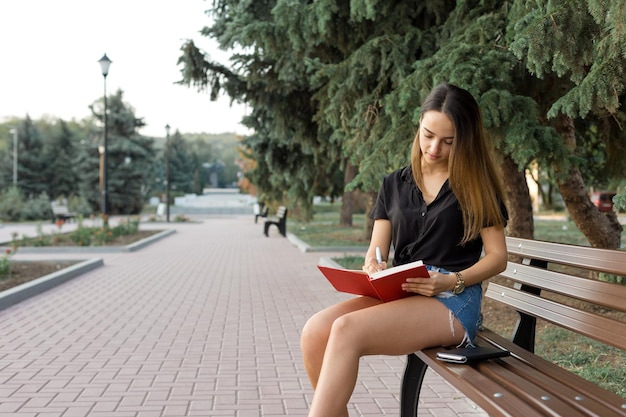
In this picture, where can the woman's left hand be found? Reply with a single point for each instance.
(429, 287)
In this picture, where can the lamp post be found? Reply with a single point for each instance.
(105, 63)
(14, 131)
(167, 172)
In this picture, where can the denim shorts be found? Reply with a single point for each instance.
(465, 306)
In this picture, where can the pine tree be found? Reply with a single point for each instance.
(129, 155)
(32, 165)
(576, 51)
(181, 165)
(60, 153)
(294, 160)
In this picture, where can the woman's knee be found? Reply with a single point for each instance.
(346, 332)
(315, 332)
(317, 329)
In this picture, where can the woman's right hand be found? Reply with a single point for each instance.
(381, 238)
(372, 266)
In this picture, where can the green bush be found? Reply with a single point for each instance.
(98, 236)
(5, 265)
(128, 227)
(11, 205)
(80, 205)
(81, 236)
(37, 208)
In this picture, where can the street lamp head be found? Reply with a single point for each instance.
(167, 129)
(105, 63)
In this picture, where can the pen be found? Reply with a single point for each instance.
(379, 256)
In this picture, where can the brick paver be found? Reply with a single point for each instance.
(205, 322)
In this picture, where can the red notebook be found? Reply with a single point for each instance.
(386, 285)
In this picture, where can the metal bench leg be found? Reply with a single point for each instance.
(412, 385)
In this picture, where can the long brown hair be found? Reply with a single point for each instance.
(472, 174)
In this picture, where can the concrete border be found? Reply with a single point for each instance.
(145, 242)
(94, 249)
(29, 289)
(326, 261)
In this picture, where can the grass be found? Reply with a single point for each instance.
(561, 231)
(596, 362)
(324, 230)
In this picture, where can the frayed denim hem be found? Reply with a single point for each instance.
(465, 307)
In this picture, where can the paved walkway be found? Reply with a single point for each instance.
(205, 322)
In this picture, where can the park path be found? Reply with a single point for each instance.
(204, 322)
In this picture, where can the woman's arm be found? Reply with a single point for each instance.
(494, 260)
(492, 263)
(381, 237)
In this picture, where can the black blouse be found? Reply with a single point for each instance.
(431, 233)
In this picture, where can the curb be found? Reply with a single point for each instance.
(145, 242)
(29, 289)
(325, 261)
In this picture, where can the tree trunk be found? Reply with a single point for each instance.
(347, 202)
(369, 224)
(601, 230)
(518, 202)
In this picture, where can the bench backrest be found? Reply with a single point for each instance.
(281, 213)
(559, 283)
(59, 209)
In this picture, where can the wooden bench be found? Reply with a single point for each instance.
(61, 212)
(557, 283)
(280, 221)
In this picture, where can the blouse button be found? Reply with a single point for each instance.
(423, 213)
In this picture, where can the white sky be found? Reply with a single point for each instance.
(49, 52)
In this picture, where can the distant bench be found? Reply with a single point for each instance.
(280, 221)
(61, 212)
(525, 384)
(260, 210)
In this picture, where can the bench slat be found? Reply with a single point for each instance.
(536, 388)
(603, 260)
(496, 381)
(533, 387)
(606, 330)
(487, 394)
(554, 374)
(544, 392)
(598, 292)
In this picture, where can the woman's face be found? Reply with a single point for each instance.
(436, 135)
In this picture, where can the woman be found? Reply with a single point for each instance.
(445, 209)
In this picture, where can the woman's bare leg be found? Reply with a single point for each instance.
(317, 329)
(394, 328)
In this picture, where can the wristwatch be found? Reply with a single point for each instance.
(460, 284)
